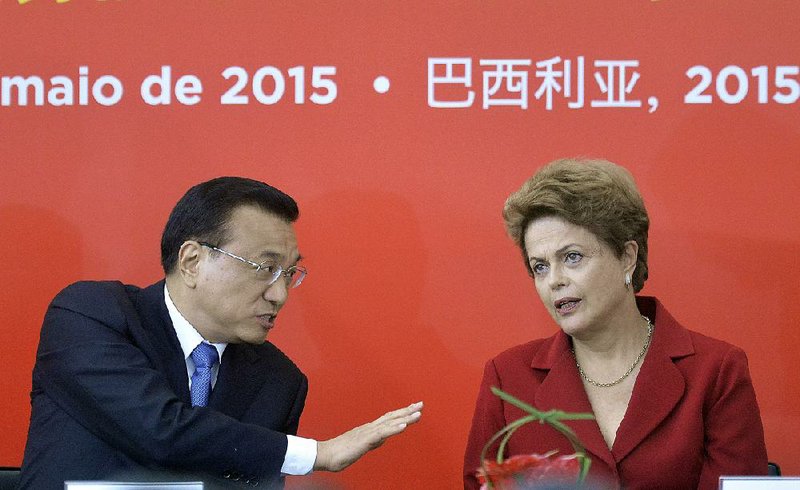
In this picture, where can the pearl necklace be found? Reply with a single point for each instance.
(629, 371)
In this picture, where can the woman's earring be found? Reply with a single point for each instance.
(627, 281)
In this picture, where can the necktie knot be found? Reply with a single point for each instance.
(205, 357)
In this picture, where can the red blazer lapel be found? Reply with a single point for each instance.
(562, 389)
(660, 385)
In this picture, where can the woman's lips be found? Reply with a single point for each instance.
(565, 306)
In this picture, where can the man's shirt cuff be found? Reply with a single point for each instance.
(300, 456)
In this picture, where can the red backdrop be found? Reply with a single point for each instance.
(413, 284)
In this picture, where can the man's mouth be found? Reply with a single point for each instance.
(566, 305)
(267, 321)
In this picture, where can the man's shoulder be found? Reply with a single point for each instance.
(99, 300)
(83, 288)
(276, 358)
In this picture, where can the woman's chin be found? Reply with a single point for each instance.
(570, 324)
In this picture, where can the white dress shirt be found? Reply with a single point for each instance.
(300, 452)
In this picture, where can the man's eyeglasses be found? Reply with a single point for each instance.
(269, 273)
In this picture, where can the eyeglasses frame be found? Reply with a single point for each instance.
(280, 271)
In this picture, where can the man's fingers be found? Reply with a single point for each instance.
(342, 451)
(412, 418)
(396, 422)
(402, 412)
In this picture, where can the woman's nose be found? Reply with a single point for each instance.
(557, 279)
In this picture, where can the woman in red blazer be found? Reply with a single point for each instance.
(673, 408)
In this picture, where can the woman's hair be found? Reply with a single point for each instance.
(595, 194)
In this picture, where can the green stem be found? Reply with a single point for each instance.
(552, 418)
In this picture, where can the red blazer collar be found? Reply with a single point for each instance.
(659, 385)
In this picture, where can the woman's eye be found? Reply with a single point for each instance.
(539, 268)
(573, 257)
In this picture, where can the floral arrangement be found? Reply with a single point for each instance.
(531, 471)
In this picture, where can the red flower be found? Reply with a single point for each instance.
(534, 470)
(530, 471)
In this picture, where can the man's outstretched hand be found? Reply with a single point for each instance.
(340, 452)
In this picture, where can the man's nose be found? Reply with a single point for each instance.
(277, 292)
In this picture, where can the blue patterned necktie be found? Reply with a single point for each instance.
(205, 357)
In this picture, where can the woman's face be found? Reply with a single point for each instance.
(579, 279)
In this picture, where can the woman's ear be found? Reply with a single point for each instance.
(630, 253)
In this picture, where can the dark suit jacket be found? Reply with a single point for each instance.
(110, 398)
(692, 416)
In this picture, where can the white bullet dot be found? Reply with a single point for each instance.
(381, 84)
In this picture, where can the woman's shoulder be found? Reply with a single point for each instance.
(715, 355)
(524, 354)
(681, 340)
(690, 347)
(705, 343)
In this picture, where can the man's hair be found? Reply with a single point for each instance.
(595, 194)
(203, 213)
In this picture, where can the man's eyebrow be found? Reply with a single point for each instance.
(266, 255)
(558, 252)
(276, 257)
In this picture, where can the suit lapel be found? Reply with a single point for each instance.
(562, 389)
(243, 372)
(238, 381)
(163, 347)
(659, 386)
(658, 389)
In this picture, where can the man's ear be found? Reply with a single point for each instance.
(189, 262)
(630, 253)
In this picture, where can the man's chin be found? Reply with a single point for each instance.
(254, 340)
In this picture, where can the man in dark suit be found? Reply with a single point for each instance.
(176, 381)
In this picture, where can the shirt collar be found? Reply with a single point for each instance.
(188, 336)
